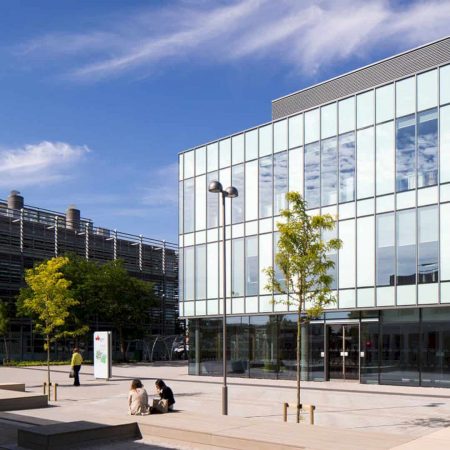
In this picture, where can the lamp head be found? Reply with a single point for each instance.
(215, 187)
(232, 192)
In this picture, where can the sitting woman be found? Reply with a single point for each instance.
(167, 400)
(138, 399)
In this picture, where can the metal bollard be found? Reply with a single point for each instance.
(45, 387)
(50, 391)
(55, 394)
(285, 407)
(311, 414)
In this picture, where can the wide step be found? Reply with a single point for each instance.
(73, 434)
(11, 400)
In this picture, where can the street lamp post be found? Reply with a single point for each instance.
(231, 192)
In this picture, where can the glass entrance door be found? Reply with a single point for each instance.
(343, 351)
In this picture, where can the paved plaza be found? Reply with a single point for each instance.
(404, 415)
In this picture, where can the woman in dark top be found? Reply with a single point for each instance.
(165, 393)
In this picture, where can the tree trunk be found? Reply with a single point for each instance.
(48, 365)
(122, 345)
(299, 340)
(6, 348)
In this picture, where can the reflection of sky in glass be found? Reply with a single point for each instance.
(385, 249)
(428, 263)
(212, 203)
(312, 175)
(265, 187)
(237, 203)
(406, 153)
(280, 180)
(329, 172)
(427, 135)
(406, 247)
(347, 167)
(189, 205)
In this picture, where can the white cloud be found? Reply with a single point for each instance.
(305, 35)
(39, 164)
(163, 191)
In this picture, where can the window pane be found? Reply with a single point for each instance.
(406, 153)
(265, 187)
(364, 106)
(213, 271)
(189, 164)
(189, 273)
(312, 175)
(265, 140)
(265, 259)
(180, 167)
(251, 265)
(445, 241)
(251, 190)
(444, 79)
(251, 145)
(328, 121)
(385, 264)
(189, 205)
(347, 115)
(212, 203)
(237, 275)
(180, 207)
(406, 247)
(365, 162)
(280, 136)
(444, 153)
(212, 156)
(329, 171)
(427, 90)
(237, 148)
(200, 272)
(366, 251)
(225, 180)
(200, 161)
(296, 170)
(385, 103)
(347, 254)
(428, 264)
(225, 153)
(238, 202)
(385, 158)
(312, 126)
(405, 97)
(280, 181)
(200, 202)
(347, 167)
(296, 131)
(326, 236)
(427, 140)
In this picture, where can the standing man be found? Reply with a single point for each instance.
(77, 359)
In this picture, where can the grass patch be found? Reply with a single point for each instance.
(40, 363)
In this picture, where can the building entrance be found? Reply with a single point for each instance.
(343, 351)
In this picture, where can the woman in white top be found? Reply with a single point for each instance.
(138, 399)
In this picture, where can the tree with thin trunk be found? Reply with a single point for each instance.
(47, 300)
(4, 326)
(301, 274)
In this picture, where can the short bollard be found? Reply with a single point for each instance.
(50, 391)
(55, 394)
(45, 387)
(311, 414)
(285, 407)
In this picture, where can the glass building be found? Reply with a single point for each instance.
(372, 148)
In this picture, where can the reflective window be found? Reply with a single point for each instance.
(406, 247)
(251, 190)
(427, 142)
(405, 97)
(265, 259)
(251, 145)
(312, 175)
(200, 161)
(385, 158)
(295, 131)
(347, 167)
(364, 109)
(237, 275)
(225, 153)
(200, 202)
(312, 126)
(296, 170)
(251, 265)
(428, 264)
(189, 164)
(265, 187)
(237, 148)
(278, 273)
(406, 153)
(189, 273)
(365, 251)
(280, 136)
(347, 254)
(385, 254)
(212, 203)
(365, 162)
(444, 80)
(212, 156)
(180, 207)
(213, 270)
(237, 203)
(445, 241)
(385, 103)
(329, 171)
(347, 115)
(200, 272)
(328, 121)
(265, 140)
(327, 235)
(280, 181)
(180, 167)
(427, 90)
(225, 180)
(189, 205)
(444, 152)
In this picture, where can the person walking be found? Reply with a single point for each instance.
(77, 359)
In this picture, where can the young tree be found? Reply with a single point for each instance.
(302, 266)
(4, 326)
(47, 300)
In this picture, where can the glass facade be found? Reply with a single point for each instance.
(378, 161)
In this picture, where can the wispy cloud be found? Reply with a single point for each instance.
(305, 35)
(39, 164)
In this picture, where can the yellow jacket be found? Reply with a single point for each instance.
(77, 359)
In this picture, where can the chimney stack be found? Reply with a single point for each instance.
(73, 218)
(15, 200)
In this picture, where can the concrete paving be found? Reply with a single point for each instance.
(404, 415)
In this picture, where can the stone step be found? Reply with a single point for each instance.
(11, 400)
(13, 386)
(75, 434)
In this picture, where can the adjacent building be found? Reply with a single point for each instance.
(29, 235)
(372, 148)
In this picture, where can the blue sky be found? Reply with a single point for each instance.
(98, 97)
